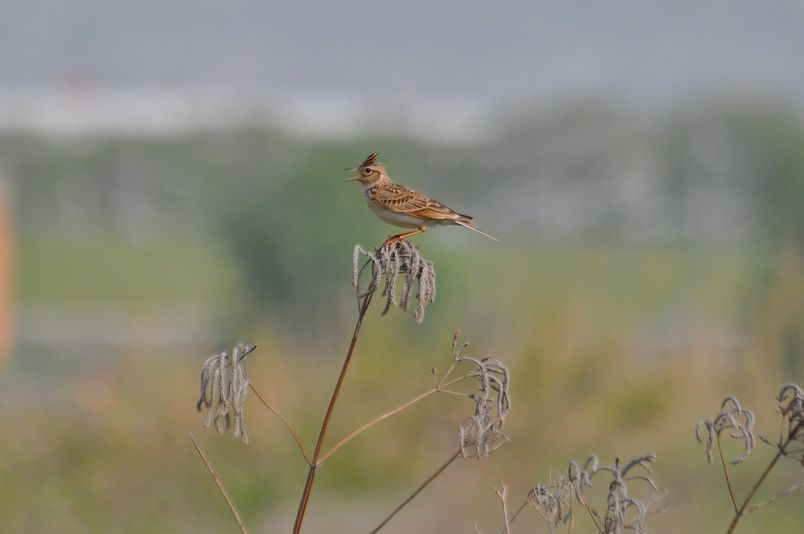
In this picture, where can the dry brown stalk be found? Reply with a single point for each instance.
(284, 422)
(438, 388)
(738, 424)
(308, 485)
(502, 494)
(743, 510)
(221, 487)
(418, 490)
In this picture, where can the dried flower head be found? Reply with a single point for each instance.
(791, 406)
(553, 500)
(224, 385)
(581, 477)
(481, 434)
(624, 511)
(732, 417)
(388, 263)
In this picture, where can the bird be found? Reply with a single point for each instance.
(401, 206)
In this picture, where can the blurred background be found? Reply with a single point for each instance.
(171, 183)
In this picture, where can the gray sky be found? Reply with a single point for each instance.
(642, 50)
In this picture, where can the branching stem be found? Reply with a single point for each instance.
(308, 485)
(779, 495)
(349, 437)
(502, 494)
(781, 452)
(515, 515)
(726, 474)
(284, 422)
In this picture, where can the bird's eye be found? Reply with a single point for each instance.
(367, 171)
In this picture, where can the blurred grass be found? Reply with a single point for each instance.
(615, 349)
(107, 269)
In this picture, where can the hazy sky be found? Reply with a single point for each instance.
(638, 49)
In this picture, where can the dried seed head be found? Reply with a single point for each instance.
(224, 385)
(624, 511)
(481, 434)
(390, 262)
(732, 417)
(581, 477)
(553, 500)
(791, 407)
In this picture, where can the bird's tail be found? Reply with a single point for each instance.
(469, 224)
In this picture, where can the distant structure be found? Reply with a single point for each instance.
(6, 270)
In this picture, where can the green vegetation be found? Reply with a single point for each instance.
(612, 349)
(104, 269)
(624, 316)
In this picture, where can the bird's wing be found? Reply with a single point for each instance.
(401, 199)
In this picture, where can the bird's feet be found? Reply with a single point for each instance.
(394, 239)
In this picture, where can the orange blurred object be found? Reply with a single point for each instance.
(6, 259)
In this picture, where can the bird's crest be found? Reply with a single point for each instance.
(370, 160)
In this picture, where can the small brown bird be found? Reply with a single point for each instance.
(402, 206)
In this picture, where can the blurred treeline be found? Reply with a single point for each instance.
(731, 172)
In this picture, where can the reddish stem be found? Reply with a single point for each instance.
(308, 485)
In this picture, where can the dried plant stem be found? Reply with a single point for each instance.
(548, 523)
(741, 511)
(515, 515)
(592, 513)
(418, 490)
(349, 437)
(726, 474)
(781, 452)
(284, 422)
(779, 495)
(502, 494)
(221, 487)
(308, 485)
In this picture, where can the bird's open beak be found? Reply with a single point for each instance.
(354, 178)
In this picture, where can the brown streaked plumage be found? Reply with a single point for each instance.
(402, 206)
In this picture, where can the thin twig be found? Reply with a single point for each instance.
(782, 450)
(308, 485)
(726, 474)
(516, 514)
(592, 513)
(418, 490)
(741, 510)
(284, 422)
(349, 437)
(784, 493)
(502, 494)
(221, 487)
